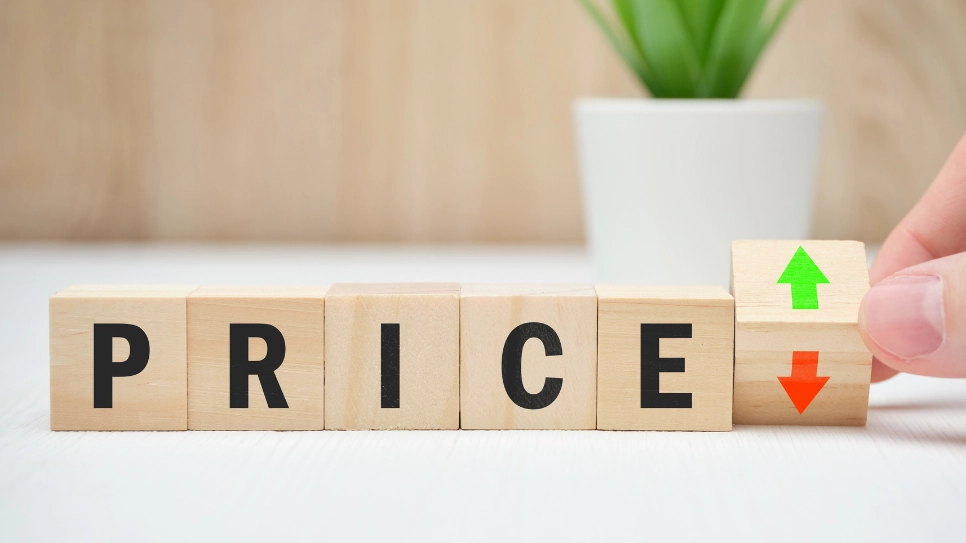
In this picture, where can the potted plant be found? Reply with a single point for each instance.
(669, 182)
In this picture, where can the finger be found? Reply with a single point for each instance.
(881, 372)
(901, 250)
(915, 321)
(936, 226)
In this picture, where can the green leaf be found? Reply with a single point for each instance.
(625, 13)
(628, 51)
(690, 48)
(665, 43)
(701, 16)
(733, 37)
(764, 34)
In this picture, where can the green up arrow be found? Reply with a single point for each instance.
(804, 276)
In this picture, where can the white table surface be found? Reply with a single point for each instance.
(900, 478)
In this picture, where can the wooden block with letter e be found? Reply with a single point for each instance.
(528, 357)
(117, 358)
(799, 358)
(392, 356)
(664, 357)
(255, 358)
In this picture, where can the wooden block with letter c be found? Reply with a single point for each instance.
(528, 357)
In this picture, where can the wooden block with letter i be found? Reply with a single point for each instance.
(799, 358)
(118, 358)
(664, 357)
(528, 357)
(255, 358)
(392, 357)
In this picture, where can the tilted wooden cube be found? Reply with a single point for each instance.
(664, 357)
(117, 358)
(255, 358)
(799, 358)
(392, 356)
(528, 357)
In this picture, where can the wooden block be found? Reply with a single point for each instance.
(117, 358)
(799, 358)
(664, 357)
(528, 357)
(392, 357)
(255, 358)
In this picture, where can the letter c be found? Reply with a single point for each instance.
(512, 365)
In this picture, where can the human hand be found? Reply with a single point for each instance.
(913, 319)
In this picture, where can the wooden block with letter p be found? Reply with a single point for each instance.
(528, 357)
(664, 357)
(118, 358)
(392, 357)
(255, 358)
(799, 358)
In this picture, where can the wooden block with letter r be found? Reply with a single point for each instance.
(664, 357)
(799, 358)
(392, 357)
(528, 357)
(255, 358)
(118, 358)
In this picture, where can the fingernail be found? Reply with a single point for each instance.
(904, 315)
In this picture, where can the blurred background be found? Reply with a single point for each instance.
(411, 120)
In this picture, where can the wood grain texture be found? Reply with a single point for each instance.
(410, 119)
(153, 399)
(756, 267)
(428, 316)
(892, 74)
(298, 312)
(768, 331)
(708, 356)
(488, 314)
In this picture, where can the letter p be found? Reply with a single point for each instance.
(105, 369)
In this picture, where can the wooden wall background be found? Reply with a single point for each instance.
(412, 120)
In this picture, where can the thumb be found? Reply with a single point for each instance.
(914, 321)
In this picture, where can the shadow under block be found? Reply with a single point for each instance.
(536, 342)
(256, 329)
(805, 365)
(392, 357)
(639, 329)
(141, 381)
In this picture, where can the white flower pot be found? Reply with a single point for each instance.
(668, 184)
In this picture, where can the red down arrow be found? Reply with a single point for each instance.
(804, 383)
